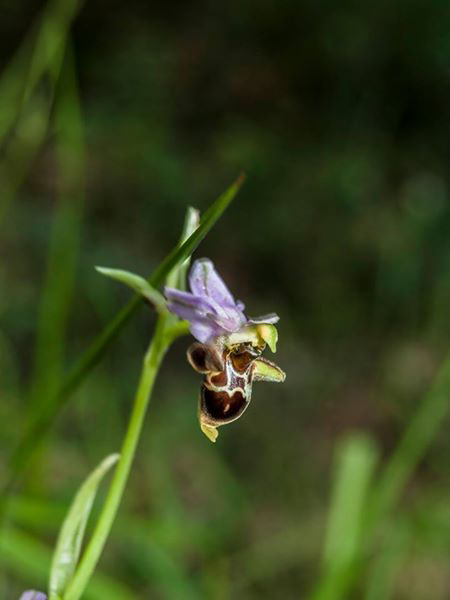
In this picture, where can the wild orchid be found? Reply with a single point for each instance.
(229, 344)
(229, 347)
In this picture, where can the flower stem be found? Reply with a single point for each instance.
(161, 341)
(35, 431)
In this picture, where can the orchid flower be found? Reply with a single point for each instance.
(229, 353)
(229, 344)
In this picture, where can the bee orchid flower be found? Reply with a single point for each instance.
(229, 347)
(33, 595)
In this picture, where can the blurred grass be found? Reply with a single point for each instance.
(58, 283)
(25, 104)
(22, 148)
(41, 51)
(355, 464)
(419, 434)
(31, 560)
(385, 567)
(356, 512)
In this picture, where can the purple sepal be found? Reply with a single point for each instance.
(33, 595)
(205, 282)
(270, 319)
(210, 307)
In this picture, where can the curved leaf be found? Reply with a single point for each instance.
(137, 283)
(68, 546)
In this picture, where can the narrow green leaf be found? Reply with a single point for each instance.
(356, 459)
(42, 422)
(177, 277)
(380, 578)
(185, 249)
(25, 109)
(22, 147)
(68, 546)
(136, 283)
(57, 289)
(355, 464)
(40, 52)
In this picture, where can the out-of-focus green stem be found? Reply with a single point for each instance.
(64, 241)
(40, 52)
(164, 335)
(414, 443)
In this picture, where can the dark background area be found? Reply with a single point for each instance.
(338, 113)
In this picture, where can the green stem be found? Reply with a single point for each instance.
(158, 347)
(37, 428)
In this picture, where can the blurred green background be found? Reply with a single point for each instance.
(116, 115)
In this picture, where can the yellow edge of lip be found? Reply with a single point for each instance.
(210, 431)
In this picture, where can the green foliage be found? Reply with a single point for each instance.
(24, 109)
(177, 277)
(340, 118)
(355, 463)
(42, 421)
(70, 538)
(137, 283)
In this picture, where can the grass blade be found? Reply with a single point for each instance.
(412, 446)
(63, 247)
(356, 460)
(137, 283)
(177, 277)
(40, 52)
(380, 579)
(68, 546)
(22, 148)
(25, 107)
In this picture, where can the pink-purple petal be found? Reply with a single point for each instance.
(240, 305)
(32, 595)
(232, 319)
(270, 319)
(184, 312)
(210, 309)
(206, 282)
(204, 331)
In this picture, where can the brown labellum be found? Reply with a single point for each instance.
(228, 376)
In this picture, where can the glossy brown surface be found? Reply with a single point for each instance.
(204, 358)
(222, 405)
(241, 361)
